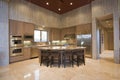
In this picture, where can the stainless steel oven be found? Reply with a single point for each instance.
(16, 41)
(16, 51)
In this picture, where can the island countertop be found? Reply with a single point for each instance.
(59, 48)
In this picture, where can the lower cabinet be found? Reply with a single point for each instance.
(27, 52)
(16, 58)
(34, 52)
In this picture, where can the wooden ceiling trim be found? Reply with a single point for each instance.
(64, 5)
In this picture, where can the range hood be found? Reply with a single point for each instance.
(69, 36)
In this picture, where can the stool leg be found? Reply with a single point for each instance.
(51, 61)
(41, 60)
(48, 62)
(78, 61)
(84, 59)
(64, 61)
(72, 61)
(59, 62)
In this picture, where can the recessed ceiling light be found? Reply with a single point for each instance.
(47, 3)
(71, 3)
(59, 9)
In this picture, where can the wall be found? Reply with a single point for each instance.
(119, 7)
(28, 12)
(108, 40)
(78, 16)
(119, 21)
(4, 30)
(101, 8)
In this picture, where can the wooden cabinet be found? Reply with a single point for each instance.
(34, 52)
(64, 31)
(16, 58)
(55, 34)
(84, 29)
(28, 29)
(27, 52)
(16, 28)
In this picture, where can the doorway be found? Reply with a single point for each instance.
(105, 37)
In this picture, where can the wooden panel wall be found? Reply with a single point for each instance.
(78, 16)
(4, 36)
(28, 12)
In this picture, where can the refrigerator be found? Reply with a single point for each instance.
(85, 40)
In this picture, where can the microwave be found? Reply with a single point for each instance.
(28, 37)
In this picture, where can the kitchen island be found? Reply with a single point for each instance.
(62, 51)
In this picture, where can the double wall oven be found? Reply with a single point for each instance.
(16, 45)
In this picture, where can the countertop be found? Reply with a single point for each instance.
(60, 48)
(35, 46)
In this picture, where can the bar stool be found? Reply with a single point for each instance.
(45, 57)
(78, 56)
(55, 57)
(67, 57)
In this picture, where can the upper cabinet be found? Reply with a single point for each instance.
(64, 31)
(28, 29)
(84, 29)
(55, 33)
(16, 28)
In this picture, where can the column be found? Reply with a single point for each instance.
(4, 33)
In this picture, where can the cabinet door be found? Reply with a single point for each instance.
(55, 34)
(16, 28)
(28, 29)
(19, 28)
(16, 58)
(63, 32)
(84, 29)
(12, 27)
(35, 52)
(27, 53)
(71, 30)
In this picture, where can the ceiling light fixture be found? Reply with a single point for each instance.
(71, 3)
(59, 9)
(47, 3)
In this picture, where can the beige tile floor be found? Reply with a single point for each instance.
(102, 69)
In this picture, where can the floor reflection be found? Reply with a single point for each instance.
(36, 74)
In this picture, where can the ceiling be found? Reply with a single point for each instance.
(60, 6)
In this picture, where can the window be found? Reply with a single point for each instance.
(40, 36)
